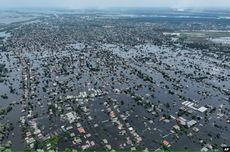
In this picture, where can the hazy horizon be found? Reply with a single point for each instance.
(82, 4)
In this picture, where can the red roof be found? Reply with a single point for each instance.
(165, 142)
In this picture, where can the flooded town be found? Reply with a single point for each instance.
(114, 80)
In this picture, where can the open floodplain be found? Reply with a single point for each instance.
(123, 80)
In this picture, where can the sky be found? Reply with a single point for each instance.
(76, 4)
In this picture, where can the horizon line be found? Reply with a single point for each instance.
(104, 8)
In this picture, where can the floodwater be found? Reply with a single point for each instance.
(147, 76)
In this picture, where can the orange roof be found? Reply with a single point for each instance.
(165, 142)
(81, 130)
